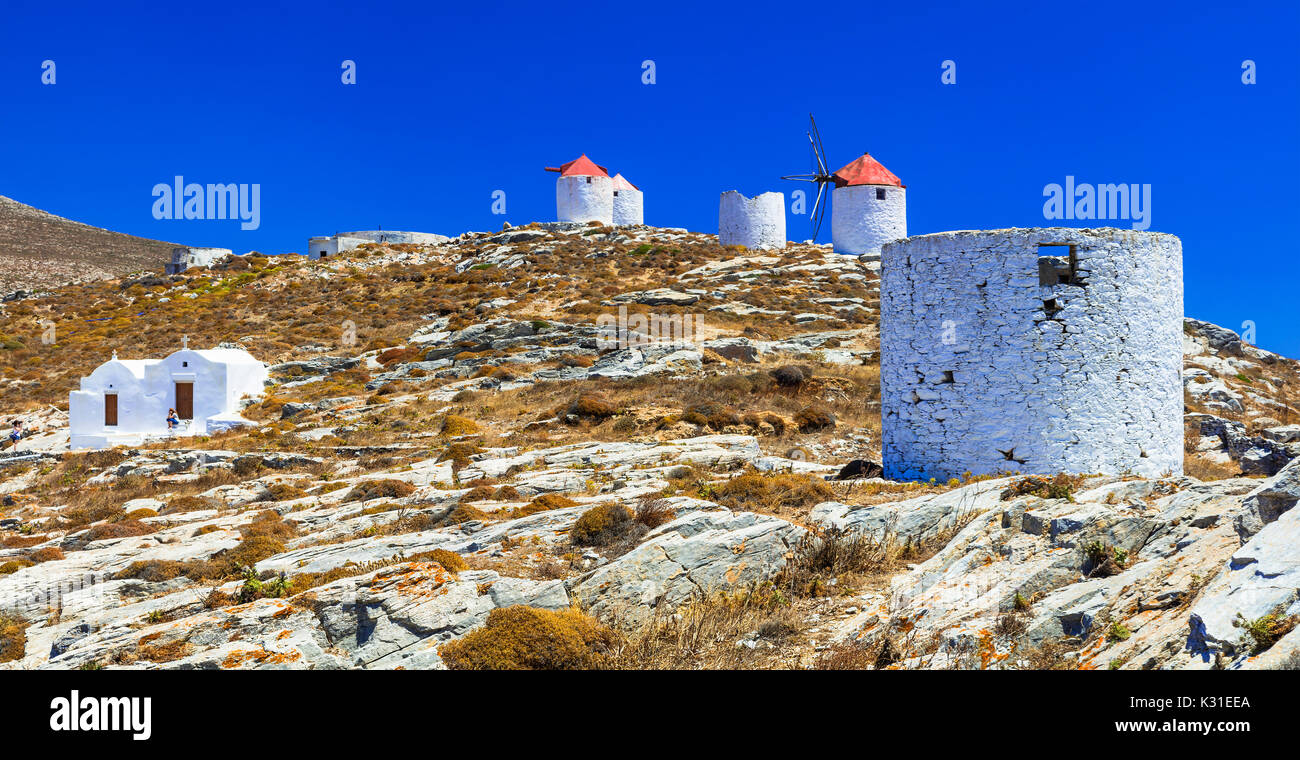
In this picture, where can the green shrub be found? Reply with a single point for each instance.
(1104, 560)
(1263, 632)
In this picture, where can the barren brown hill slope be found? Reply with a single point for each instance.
(39, 249)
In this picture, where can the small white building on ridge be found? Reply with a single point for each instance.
(184, 257)
(323, 247)
(125, 401)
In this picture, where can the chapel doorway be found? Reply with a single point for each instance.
(185, 401)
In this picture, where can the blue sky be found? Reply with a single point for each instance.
(452, 104)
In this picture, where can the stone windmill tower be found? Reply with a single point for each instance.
(868, 208)
(584, 192)
(629, 205)
(869, 202)
(757, 222)
(1039, 350)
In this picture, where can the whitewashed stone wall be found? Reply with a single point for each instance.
(325, 247)
(757, 222)
(397, 236)
(183, 258)
(629, 207)
(146, 389)
(985, 369)
(318, 247)
(584, 199)
(861, 223)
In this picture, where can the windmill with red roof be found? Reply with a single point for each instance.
(584, 192)
(869, 201)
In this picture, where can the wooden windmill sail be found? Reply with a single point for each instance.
(821, 175)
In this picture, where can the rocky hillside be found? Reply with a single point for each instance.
(479, 481)
(40, 250)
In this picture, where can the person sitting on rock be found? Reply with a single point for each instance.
(16, 434)
(172, 420)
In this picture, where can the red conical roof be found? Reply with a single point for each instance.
(865, 171)
(621, 183)
(580, 167)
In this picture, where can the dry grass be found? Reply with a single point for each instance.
(704, 634)
(1205, 469)
(527, 638)
(262, 538)
(785, 495)
(603, 524)
(652, 512)
(450, 561)
(380, 489)
(13, 637)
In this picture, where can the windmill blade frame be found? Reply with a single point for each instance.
(821, 176)
(815, 137)
(819, 209)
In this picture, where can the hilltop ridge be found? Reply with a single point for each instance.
(40, 250)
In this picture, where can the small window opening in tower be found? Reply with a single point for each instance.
(615, 193)
(1058, 265)
(947, 377)
(880, 193)
(1050, 308)
(589, 180)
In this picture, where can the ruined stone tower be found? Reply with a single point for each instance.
(757, 222)
(1032, 350)
(629, 203)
